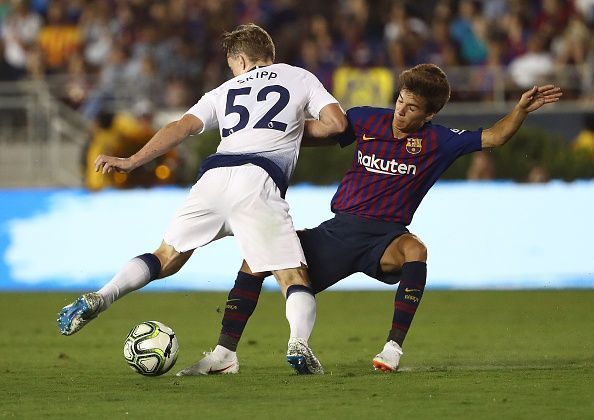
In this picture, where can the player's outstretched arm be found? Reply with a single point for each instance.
(530, 101)
(163, 141)
(319, 132)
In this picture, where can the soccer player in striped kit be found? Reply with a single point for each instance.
(260, 114)
(399, 154)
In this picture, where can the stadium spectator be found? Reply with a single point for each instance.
(534, 66)
(36, 65)
(481, 167)
(584, 142)
(5, 8)
(329, 56)
(6, 72)
(125, 133)
(439, 43)
(468, 29)
(405, 36)
(182, 62)
(97, 34)
(361, 33)
(113, 82)
(515, 25)
(19, 34)
(359, 36)
(538, 174)
(572, 45)
(146, 84)
(311, 59)
(105, 139)
(58, 38)
(488, 78)
(255, 11)
(586, 9)
(552, 18)
(177, 94)
(494, 10)
(134, 128)
(77, 85)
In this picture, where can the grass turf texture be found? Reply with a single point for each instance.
(526, 354)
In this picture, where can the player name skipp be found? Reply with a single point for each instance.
(259, 74)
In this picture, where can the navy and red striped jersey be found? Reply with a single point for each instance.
(390, 176)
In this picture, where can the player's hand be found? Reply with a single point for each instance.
(108, 164)
(536, 97)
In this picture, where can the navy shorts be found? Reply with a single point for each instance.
(345, 245)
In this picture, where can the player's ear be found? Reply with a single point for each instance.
(244, 62)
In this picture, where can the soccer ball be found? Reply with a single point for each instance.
(151, 348)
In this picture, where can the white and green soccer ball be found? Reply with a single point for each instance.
(151, 348)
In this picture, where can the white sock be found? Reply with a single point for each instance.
(301, 314)
(134, 275)
(222, 352)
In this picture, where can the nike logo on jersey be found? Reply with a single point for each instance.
(407, 290)
(365, 138)
(384, 166)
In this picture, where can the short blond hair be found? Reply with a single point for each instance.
(251, 40)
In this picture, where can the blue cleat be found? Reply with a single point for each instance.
(302, 359)
(76, 315)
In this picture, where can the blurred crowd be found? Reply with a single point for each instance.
(164, 54)
(168, 51)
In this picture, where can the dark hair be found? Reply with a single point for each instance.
(589, 121)
(105, 119)
(251, 40)
(429, 82)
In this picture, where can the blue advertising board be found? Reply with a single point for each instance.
(479, 235)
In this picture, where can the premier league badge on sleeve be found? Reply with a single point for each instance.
(413, 146)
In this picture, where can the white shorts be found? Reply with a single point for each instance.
(242, 201)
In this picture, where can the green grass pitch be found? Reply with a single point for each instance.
(521, 354)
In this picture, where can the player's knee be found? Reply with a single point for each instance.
(414, 250)
(168, 268)
(291, 277)
(171, 260)
(246, 269)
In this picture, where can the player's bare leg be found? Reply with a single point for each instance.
(408, 255)
(135, 274)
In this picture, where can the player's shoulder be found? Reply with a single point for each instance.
(452, 136)
(440, 131)
(288, 67)
(364, 112)
(443, 131)
(220, 90)
(296, 73)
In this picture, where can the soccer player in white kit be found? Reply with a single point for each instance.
(261, 115)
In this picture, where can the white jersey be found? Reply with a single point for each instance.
(262, 112)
